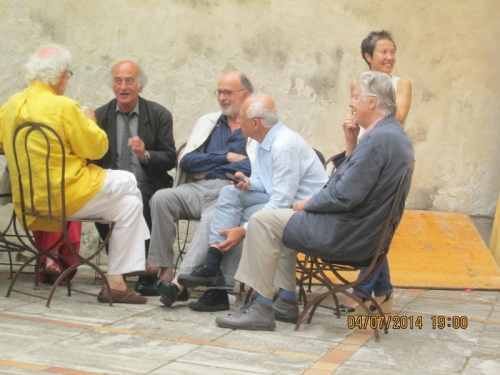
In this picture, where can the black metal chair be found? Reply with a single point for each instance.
(317, 269)
(181, 244)
(51, 166)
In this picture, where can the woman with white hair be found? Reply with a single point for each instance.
(379, 51)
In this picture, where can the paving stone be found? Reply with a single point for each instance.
(438, 306)
(85, 312)
(276, 340)
(7, 370)
(261, 363)
(404, 352)
(178, 368)
(32, 330)
(14, 301)
(101, 361)
(470, 334)
(477, 295)
(354, 368)
(487, 346)
(478, 366)
(172, 322)
(130, 345)
(11, 346)
(153, 349)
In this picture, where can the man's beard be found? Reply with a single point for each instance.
(232, 110)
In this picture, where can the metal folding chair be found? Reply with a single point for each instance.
(317, 269)
(51, 167)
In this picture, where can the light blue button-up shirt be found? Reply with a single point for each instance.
(286, 168)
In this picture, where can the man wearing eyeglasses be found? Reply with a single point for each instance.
(286, 170)
(215, 146)
(141, 141)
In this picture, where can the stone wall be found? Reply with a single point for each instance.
(304, 53)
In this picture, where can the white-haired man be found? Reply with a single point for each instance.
(141, 141)
(337, 222)
(286, 170)
(91, 192)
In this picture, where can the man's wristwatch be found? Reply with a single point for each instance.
(147, 158)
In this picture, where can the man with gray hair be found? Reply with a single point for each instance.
(141, 141)
(286, 170)
(337, 222)
(91, 192)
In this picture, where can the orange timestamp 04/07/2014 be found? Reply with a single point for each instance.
(406, 322)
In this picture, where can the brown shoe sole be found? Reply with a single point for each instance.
(127, 296)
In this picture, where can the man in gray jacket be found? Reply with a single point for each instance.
(340, 221)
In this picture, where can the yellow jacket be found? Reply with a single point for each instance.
(82, 139)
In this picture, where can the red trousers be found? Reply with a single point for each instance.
(47, 239)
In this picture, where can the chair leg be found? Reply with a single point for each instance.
(181, 248)
(249, 295)
(13, 281)
(11, 268)
(62, 276)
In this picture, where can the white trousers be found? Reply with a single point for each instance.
(120, 200)
(265, 262)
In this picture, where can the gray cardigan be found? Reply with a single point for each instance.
(342, 221)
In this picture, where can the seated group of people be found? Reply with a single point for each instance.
(242, 174)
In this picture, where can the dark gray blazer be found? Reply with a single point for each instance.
(155, 129)
(342, 221)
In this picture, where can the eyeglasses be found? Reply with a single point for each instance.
(227, 93)
(249, 118)
(70, 73)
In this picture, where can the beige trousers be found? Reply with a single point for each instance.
(265, 262)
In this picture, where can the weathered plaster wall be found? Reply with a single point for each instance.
(304, 53)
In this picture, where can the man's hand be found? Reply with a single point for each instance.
(138, 147)
(299, 206)
(89, 113)
(241, 185)
(233, 157)
(233, 237)
(199, 175)
(351, 133)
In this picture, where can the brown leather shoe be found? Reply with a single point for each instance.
(127, 296)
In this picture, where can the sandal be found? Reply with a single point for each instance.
(349, 310)
(386, 305)
(53, 269)
(53, 272)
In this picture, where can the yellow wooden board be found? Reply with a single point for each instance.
(440, 250)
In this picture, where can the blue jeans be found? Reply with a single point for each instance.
(379, 283)
(233, 209)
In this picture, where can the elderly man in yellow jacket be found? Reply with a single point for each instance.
(91, 192)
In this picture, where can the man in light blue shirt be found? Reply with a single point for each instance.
(286, 170)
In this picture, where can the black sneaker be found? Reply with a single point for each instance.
(147, 288)
(170, 294)
(211, 300)
(202, 276)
